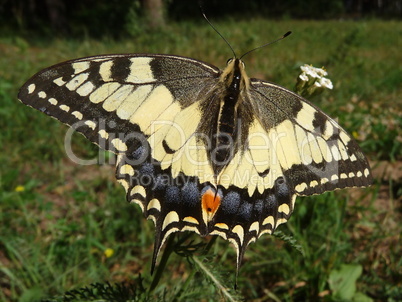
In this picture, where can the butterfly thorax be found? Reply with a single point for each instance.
(226, 140)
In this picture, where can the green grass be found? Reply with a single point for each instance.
(57, 218)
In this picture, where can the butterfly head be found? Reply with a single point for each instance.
(235, 71)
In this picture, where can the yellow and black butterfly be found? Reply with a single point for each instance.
(198, 148)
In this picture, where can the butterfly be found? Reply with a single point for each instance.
(198, 148)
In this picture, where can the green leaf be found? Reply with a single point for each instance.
(360, 297)
(32, 294)
(342, 282)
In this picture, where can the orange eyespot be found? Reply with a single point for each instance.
(210, 202)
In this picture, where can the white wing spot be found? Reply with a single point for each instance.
(301, 187)
(342, 150)
(334, 177)
(280, 221)
(52, 101)
(80, 66)
(329, 130)
(90, 124)
(359, 174)
(154, 204)
(286, 138)
(269, 220)
(77, 114)
(31, 88)
(127, 169)
(305, 117)
(219, 233)
(124, 183)
(190, 228)
(171, 217)
(315, 148)
(141, 191)
(366, 172)
(284, 208)
(85, 89)
(105, 71)
(119, 145)
(190, 219)
(325, 151)
(59, 81)
(103, 92)
(138, 190)
(255, 226)
(77, 81)
(103, 134)
(313, 183)
(343, 176)
(335, 153)
(65, 108)
(140, 71)
(351, 174)
(239, 231)
(42, 94)
(221, 225)
(344, 137)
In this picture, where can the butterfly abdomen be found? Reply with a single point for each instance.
(226, 139)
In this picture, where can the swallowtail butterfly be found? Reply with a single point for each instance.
(198, 148)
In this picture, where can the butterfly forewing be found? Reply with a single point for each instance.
(162, 116)
(110, 97)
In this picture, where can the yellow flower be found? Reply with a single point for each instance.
(355, 134)
(19, 189)
(108, 252)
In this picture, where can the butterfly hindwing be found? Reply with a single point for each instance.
(183, 203)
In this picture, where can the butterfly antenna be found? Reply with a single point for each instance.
(213, 27)
(281, 38)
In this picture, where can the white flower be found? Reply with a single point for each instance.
(321, 71)
(326, 83)
(317, 84)
(314, 71)
(311, 81)
(309, 71)
(303, 76)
